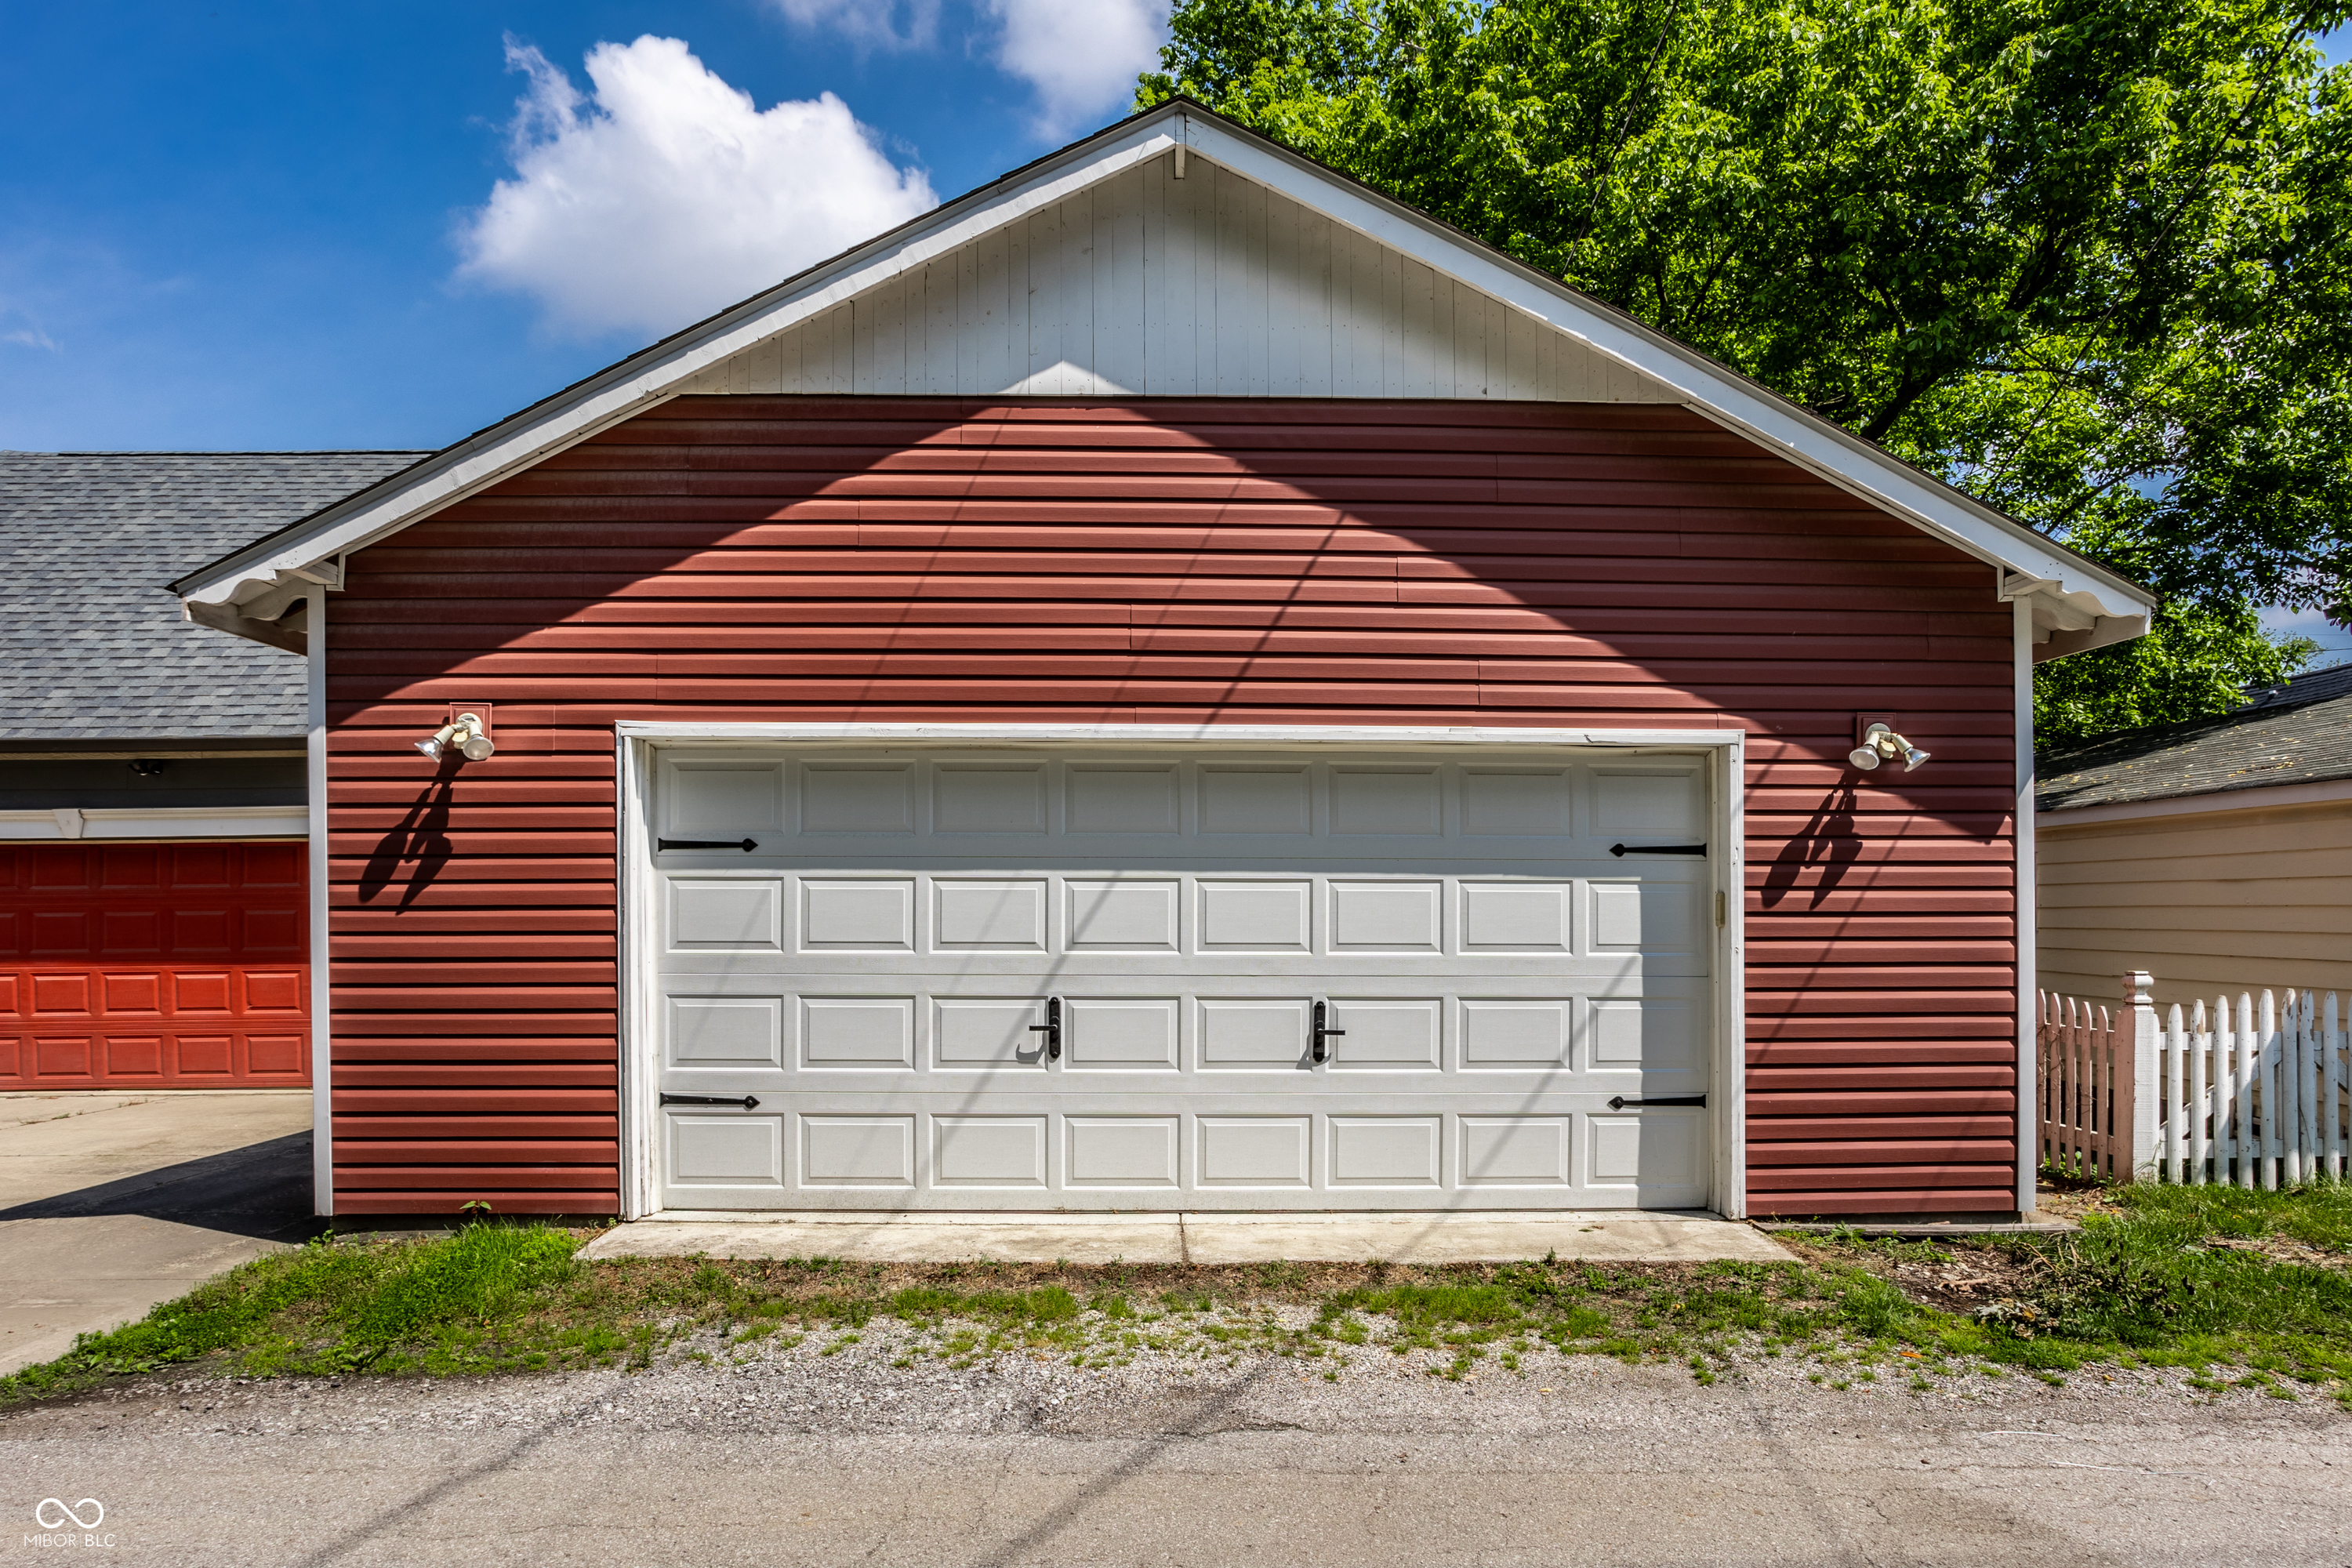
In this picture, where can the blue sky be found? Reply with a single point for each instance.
(242, 225)
(372, 224)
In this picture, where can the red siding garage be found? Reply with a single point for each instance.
(154, 966)
(1449, 562)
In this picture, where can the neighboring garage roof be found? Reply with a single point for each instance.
(92, 646)
(2300, 732)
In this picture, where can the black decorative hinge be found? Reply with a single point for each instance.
(1622, 850)
(749, 1101)
(747, 845)
(1619, 1102)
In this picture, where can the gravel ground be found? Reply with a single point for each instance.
(795, 1455)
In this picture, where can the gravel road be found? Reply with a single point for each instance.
(795, 1456)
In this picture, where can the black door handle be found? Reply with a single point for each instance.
(1323, 1031)
(747, 845)
(1619, 1102)
(747, 1101)
(1622, 850)
(1051, 1028)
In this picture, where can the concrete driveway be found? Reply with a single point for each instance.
(112, 1203)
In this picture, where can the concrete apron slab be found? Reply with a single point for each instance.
(1195, 1238)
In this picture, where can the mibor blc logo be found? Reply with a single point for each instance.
(66, 1523)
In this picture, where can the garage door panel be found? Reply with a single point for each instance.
(1123, 798)
(856, 1033)
(717, 1151)
(849, 1151)
(1519, 916)
(1648, 1034)
(726, 1031)
(1401, 801)
(1393, 1151)
(1517, 1033)
(1272, 1153)
(981, 914)
(1386, 917)
(1243, 916)
(858, 915)
(986, 1031)
(1120, 1033)
(988, 797)
(1252, 1034)
(1135, 1152)
(729, 915)
(1515, 801)
(1653, 918)
(855, 798)
(1254, 799)
(1109, 915)
(877, 973)
(1387, 1035)
(1005, 1152)
(1517, 1152)
(719, 797)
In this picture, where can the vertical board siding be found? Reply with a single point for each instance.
(780, 559)
(173, 965)
(1211, 285)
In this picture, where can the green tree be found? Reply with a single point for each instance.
(2085, 258)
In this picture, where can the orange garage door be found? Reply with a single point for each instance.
(154, 966)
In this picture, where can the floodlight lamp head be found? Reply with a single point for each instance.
(1878, 744)
(466, 733)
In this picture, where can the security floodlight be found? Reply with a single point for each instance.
(466, 733)
(1879, 742)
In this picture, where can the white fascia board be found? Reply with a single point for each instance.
(652, 377)
(1257, 735)
(1729, 399)
(157, 822)
(2213, 803)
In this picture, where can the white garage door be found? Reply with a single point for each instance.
(1039, 978)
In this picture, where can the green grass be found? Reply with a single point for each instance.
(2212, 1280)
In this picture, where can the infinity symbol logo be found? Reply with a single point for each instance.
(63, 1511)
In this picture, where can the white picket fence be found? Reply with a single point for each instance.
(2259, 1094)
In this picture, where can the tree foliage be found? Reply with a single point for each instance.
(2086, 259)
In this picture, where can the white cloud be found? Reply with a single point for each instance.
(32, 338)
(664, 195)
(870, 24)
(1082, 56)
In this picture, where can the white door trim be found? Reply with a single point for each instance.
(636, 741)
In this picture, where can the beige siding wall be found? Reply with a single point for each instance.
(2215, 900)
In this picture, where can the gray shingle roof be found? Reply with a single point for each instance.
(91, 643)
(2300, 732)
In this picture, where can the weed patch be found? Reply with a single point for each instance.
(2248, 1291)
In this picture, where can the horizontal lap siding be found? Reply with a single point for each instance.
(804, 559)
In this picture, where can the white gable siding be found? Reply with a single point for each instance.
(1211, 285)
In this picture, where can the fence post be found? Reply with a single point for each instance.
(2138, 1076)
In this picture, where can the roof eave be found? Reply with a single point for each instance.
(2049, 574)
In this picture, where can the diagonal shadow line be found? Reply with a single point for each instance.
(361, 1534)
(1054, 1522)
(261, 1190)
